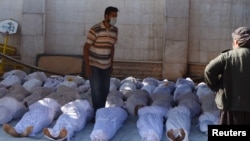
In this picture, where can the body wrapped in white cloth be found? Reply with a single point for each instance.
(74, 118)
(178, 123)
(11, 105)
(40, 115)
(150, 122)
(108, 121)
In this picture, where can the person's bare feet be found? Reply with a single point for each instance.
(47, 133)
(63, 133)
(27, 131)
(170, 134)
(180, 138)
(10, 130)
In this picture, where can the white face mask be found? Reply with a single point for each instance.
(112, 21)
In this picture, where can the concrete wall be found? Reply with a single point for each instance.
(211, 23)
(174, 33)
(12, 9)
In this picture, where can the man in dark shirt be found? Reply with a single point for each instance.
(230, 72)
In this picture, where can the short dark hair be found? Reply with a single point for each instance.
(110, 9)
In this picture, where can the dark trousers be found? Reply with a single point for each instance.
(99, 83)
(234, 117)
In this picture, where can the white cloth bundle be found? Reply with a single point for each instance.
(164, 100)
(185, 81)
(191, 101)
(149, 84)
(40, 115)
(10, 109)
(115, 83)
(165, 89)
(68, 83)
(52, 83)
(37, 93)
(126, 87)
(210, 113)
(149, 88)
(206, 98)
(32, 83)
(18, 92)
(137, 98)
(83, 88)
(202, 90)
(108, 121)
(19, 73)
(179, 118)
(132, 79)
(112, 86)
(3, 91)
(150, 81)
(13, 77)
(208, 118)
(208, 103)
(115, 99)
(150, 123)
(74, 118)
(65, 94)
(12, 102)
(78, 79)
(36, 75)
(183, 86)
(11, 80)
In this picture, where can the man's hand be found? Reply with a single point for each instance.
(88, 71)
(86, 60)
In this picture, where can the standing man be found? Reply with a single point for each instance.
(98, 56)
(230, 72)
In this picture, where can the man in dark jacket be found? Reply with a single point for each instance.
(230, 72)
